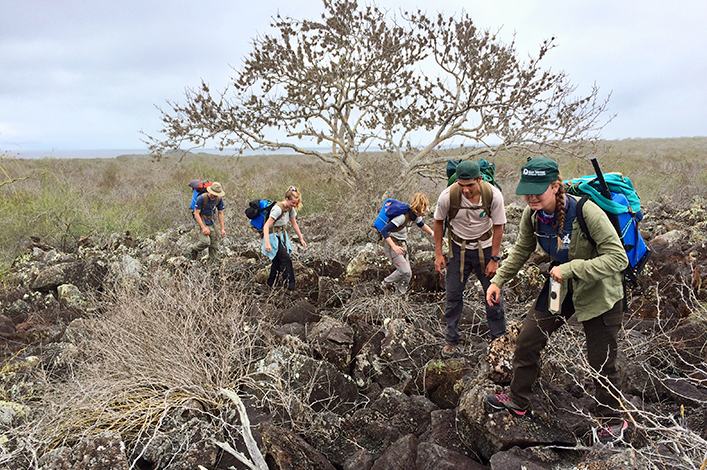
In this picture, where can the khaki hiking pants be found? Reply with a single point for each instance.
(211, 241)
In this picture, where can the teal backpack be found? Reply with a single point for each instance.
(615, 194)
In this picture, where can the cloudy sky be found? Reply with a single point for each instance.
(88, 74)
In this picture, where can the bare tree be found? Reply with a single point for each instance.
(361, 77)
(485, 95)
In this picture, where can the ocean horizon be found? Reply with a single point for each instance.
(114, 153)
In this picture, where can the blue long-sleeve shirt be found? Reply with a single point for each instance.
(397, 222)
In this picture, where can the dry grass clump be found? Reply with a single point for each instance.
(665, 435)
(171, 343)
(377, 309)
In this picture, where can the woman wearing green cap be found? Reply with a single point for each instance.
(591, 287)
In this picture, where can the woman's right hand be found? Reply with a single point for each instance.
(493, 294)
(399, 249)
(267, 246)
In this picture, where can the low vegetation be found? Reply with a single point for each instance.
(62, 200)
(122, 379)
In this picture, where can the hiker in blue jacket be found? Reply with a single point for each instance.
(276, 242)
(396, 231)
(591, 280)
(209, 206)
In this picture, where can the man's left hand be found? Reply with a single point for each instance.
(491, 268)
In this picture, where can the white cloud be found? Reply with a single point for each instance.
(88, 74)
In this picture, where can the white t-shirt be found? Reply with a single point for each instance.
(275, 213)
(472, 223)
(399, 221)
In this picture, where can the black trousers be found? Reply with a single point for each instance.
(281, 267)
(454, 303)
(602, 335)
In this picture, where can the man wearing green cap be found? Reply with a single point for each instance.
(476, 215)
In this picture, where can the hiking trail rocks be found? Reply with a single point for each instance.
(363, 368)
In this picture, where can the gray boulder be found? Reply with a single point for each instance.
(318, 382)
(285, 450)
(71, 297)
(435, 457)
(183, 447)
(406, 349)
(333, 341)
(492, 432)
(105, 451)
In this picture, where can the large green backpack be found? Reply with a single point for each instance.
(488, 171)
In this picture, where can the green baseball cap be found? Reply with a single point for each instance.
(468, 170)
(536, 176)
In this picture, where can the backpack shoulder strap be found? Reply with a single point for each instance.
(207, 200)
(455, 200)
(282, 208)
(581, 221)
(203, 201)
(486, 196)
(533, 220)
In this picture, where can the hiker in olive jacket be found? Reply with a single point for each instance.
(591, 287)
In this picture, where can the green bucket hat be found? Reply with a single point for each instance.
(536, 176)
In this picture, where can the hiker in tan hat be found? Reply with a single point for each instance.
(208, 205)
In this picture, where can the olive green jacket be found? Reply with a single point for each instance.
(595, 272)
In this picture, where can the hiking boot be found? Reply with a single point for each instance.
(450, 350)
(501, 401)
(612, 434)
(194, 254)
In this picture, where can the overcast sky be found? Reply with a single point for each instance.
(88, 74)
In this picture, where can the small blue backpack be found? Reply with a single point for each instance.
(258, 211)
(391, 209)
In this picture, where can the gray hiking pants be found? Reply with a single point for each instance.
(454, 304)
(400, 278)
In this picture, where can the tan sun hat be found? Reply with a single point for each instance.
(216, 189)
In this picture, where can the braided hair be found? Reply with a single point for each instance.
(559, 211)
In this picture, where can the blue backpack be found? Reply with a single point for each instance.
(258, 211)
(198, 187)
(391, 209)
(624, 208)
